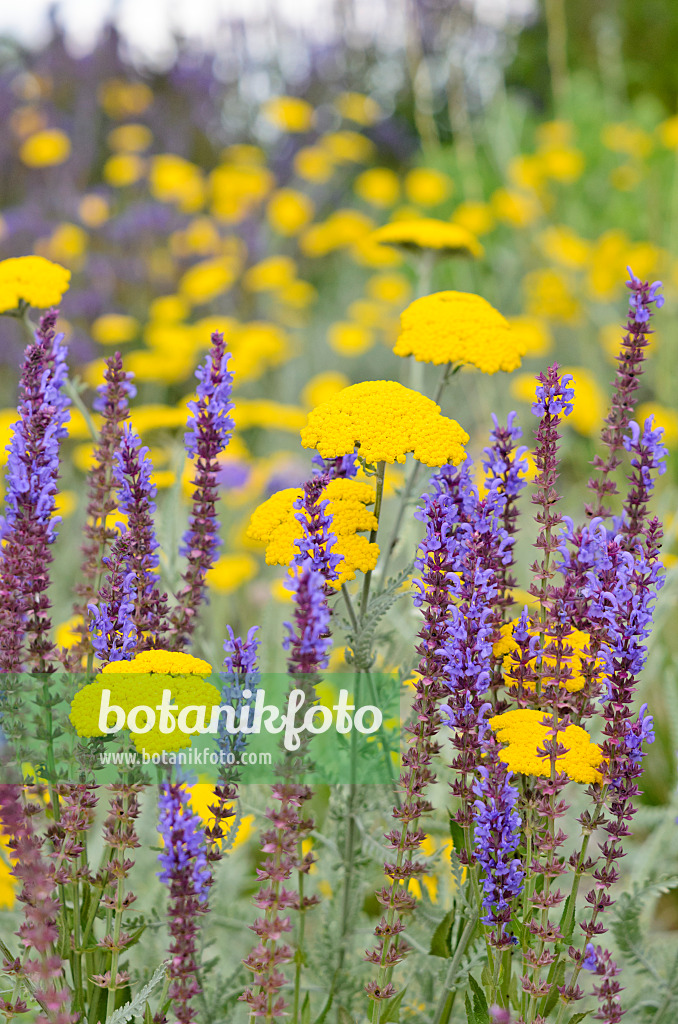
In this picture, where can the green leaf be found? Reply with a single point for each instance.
(131, 1009)
(480, 1008)
(326, 1008)
(306, 1010)
(391, 1010)
(577, 1017)
(344, 1017)
(148, 1015)
(470, 1015)
(457, 834)
(513, 993)
(567, 935)
(440, 940)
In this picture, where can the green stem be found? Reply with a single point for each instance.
(412, 477)
(299, 954)
(556, 30)
(445, 1004)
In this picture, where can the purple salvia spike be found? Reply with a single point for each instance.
(210, 428)
(627, 381)
(112, 402)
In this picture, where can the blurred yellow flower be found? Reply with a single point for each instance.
(230, 572)
(297, 294)
(564, 246)
(31, 279)
(458, 327)
(425, 186)
(289, 211)
(289, 113)
(534, 333)
(67, 634)
(554, 134)
(348, 147)
(207, 280)
(668, 132)
(526, 171)
(368, 312)
(379, 186)
(355, 106)
(563, 164)
(243, 153)
(349, 339)
(67, 245)
(123, 169)
(172, 179)
(515, 208)
(265, 413)
(625, 137)
(121, 98)
(93, 210)
(8, 883)
(548, 294)
(342, 228)
(27, 121)
(168, 308)
(237, 189)
(324, 386)
(46, 148)
(612, 253)
(392, 289)
(474, 216)
(114, 329)
(425, 233)
(313, 164)
(384, 421)
(130, 138)
(270, 274)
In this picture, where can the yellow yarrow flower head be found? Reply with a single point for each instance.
(576, 663)
(140, 682)
(383, 421)
(275, 523)
(525, 731)
(439, 236)
(458, 327)
(33, 280)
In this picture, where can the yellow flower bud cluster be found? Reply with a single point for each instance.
(459, 327)
(576, 662)
(141, 681)
(275, 523)
(384, 421)
(525, 730)
(32, 279)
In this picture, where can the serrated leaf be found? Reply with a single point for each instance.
(391, 1011)
(440, 940)
(470, 1015)
(480, 1007)
(577, 1017)
(326, 1008)
(131, 1009)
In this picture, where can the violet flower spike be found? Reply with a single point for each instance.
(28, 529)
(112, 402)
(627, 381)
(210, 428)
(186, 872)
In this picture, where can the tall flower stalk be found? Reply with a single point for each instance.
(210, 427)
(112, 402)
